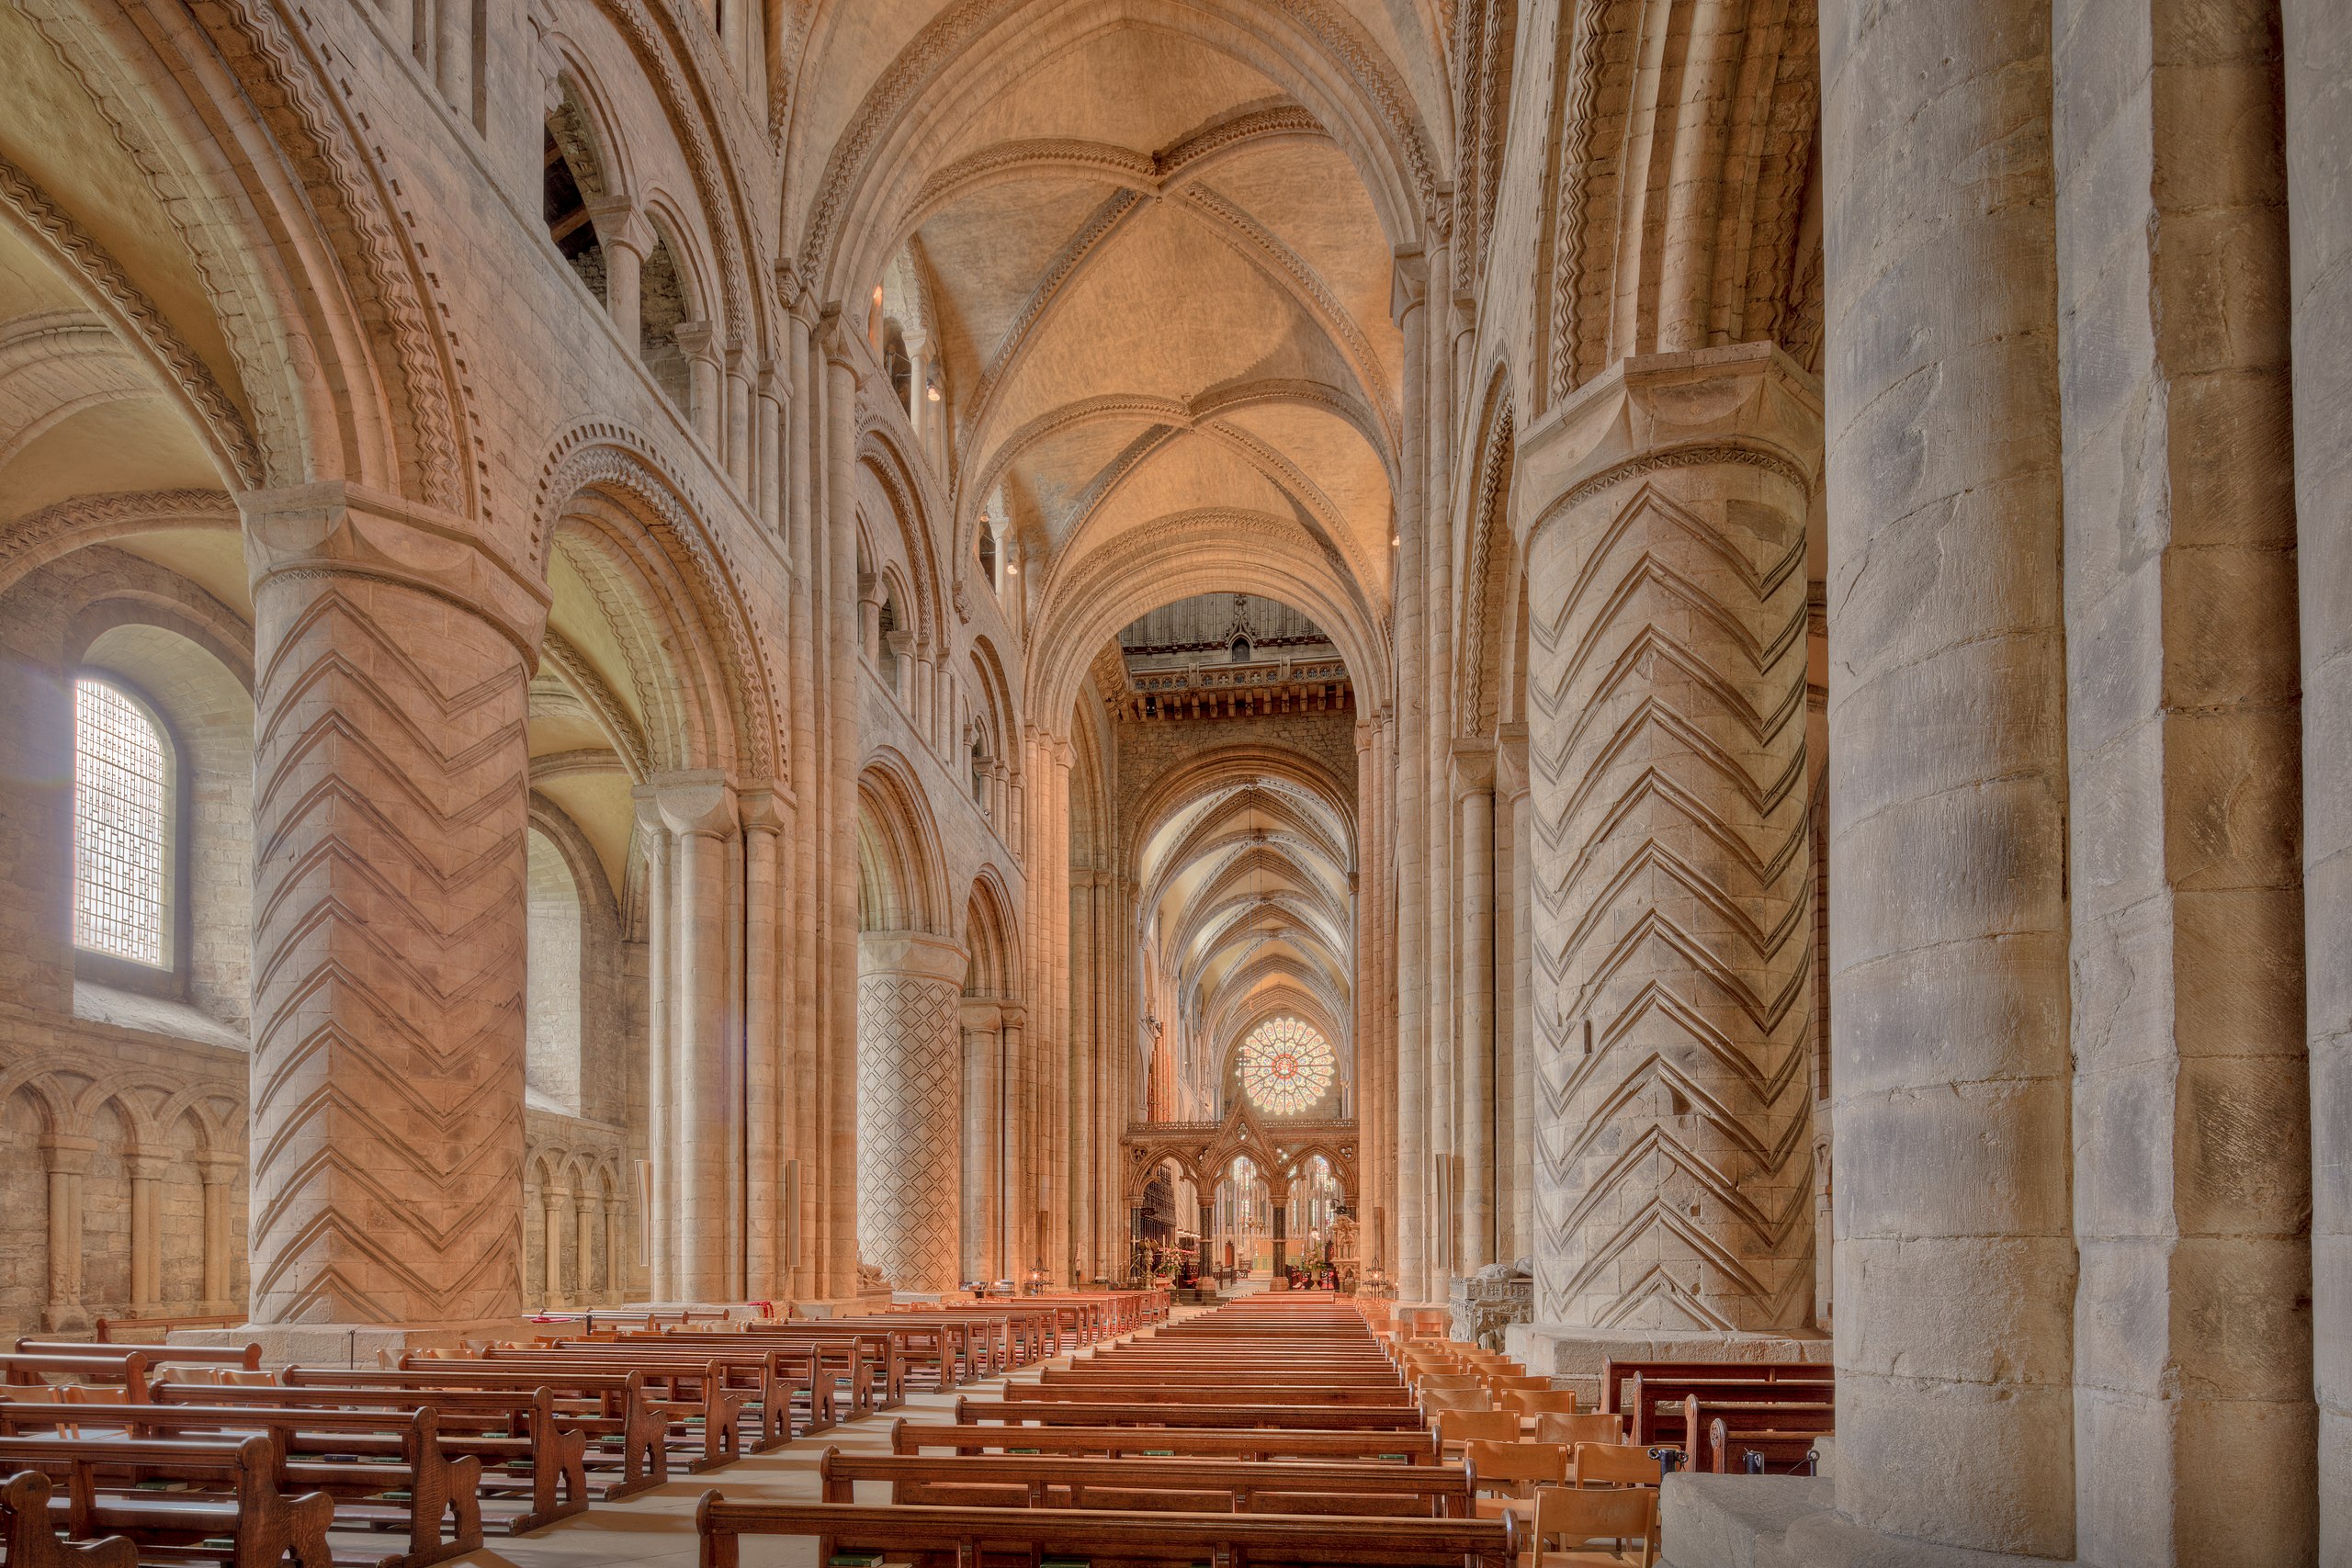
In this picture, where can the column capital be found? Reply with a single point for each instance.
(697, 340)
(911, 953)
(700, 800)
(981, 1017)
(619, 222)
(1409, 282)
(67, 1154)
(219, 1170)
(341, 529)
(146, 1166)
(760, 809)
(1474, 766)
(1749, 403)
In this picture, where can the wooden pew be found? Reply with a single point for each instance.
(711, 1392)
(975, 1537)
(1739, 1452)
(244, 1358)
(416, 1488)
(1145, 1485)
(244, 1508)
(1615, 1375)
(504, 1432)
(791, 1373)
(1211, 1392)
(1676, 1411)
(1329, 1417)
(32, 1542)
(1195, 1442)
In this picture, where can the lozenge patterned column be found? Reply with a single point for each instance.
(391, 654)
(909, 1107)
(1666, 695)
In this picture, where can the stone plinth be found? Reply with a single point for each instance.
(1484, 1304)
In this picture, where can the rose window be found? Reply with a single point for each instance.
(1285, 1067)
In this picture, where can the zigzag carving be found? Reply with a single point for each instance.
(1673, 910)
(391, 798)
(909, 1111)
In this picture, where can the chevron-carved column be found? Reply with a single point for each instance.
(390, 658)
(1673, 974)
(909, 1107)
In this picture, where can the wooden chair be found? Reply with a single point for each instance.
(1455, 1427)
(1595, 1427)
(1512, 1472)
(1614, 1464)
(1443, 1380)
(1517, 1383)
(1540, 1401)
(1576, 1520)
(1440, 1400)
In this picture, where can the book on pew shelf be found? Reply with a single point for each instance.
(340, 1459)
(855, 1560)
(160, 1485)
(400, 1495)
(218, 1543)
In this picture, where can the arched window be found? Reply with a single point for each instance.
(900, 365)
(887, 656)
(988, 552)
(122, 814)
(572, 178)
(662, 310)
(552, 979)
(1285, 1066)
(979, 774)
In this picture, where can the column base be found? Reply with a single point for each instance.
(1574, 1354)
(1790, 1521)
(342, 1344)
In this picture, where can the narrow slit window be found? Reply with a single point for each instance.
(120, 790)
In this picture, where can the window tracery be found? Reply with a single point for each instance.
(1285, 1066)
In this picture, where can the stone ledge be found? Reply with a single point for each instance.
(1790, 1521)
(338, 1344)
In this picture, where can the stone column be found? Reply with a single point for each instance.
(909, 1107)
(1955, 1254)
(2318, 55)
(620, 230)
(660, 1131)
(706, 1109)
(983, 1144)
(146, 1173)
(697, 340)
(218, 1175)
(1475, 1082)
(2193, 1329)
(616, 1261)
(1409, 307)
(1015, 1232)
(554, 1202)
(1666, 737)
(769, 1142)
(392, 651)
(583, 1248)
(66, 1158)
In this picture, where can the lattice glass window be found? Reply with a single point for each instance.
(1285, 1066)
(120, 805)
